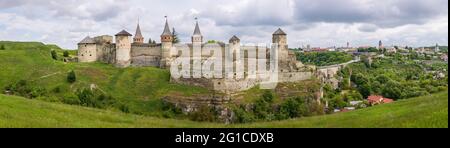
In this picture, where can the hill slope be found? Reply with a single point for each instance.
(139, 89)
(428, 111)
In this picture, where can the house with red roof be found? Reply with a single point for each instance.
(375, 100)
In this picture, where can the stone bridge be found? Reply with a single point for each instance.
(332, 70)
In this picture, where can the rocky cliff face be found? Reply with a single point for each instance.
(221, 102)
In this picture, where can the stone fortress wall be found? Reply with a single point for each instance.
(124, 53)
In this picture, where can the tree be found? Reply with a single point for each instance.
(365, 90)
(175, 36)
(86, 97)
(293, 107)
(150, 41)
(54, 55)
(66, 54)
(71, 77)
(2, 47)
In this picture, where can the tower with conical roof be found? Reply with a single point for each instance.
(123, 49)
(197, 38)
(138, 38)
(166, 44)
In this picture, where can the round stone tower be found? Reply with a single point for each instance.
(238, 64)
(87, 50)
(166, 45)
(123, 49)
(280, 38)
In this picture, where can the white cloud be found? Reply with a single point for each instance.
(315, 22)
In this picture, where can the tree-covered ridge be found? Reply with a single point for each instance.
(397, 78)
(323, 58)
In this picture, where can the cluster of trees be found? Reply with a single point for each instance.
(265, 109)
(150, 41)
(2, 47)
(393, 78)
(54, 54)
(338, 99)
(25, 89)
(324, 58)
(369, 49)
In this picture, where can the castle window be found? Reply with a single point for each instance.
(218, 83)
(82, 55)
(90, 55)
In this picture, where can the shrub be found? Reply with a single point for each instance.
(71, 99)
(170, 110)
(54, 55)
(293, 107)
(86, 97)
(66, 54)
(204, 113)
(2, 47)
(71, 77)
(242, 116)
(24, 89)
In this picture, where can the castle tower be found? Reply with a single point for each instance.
(280, 37)
(123, 49)
(380, 45)
(166, 45)
(235, 50)
(436, 49)
(138, 38)
(87, 50)
(197, 38)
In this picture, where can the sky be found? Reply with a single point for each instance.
(319, 23)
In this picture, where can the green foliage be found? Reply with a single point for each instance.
(292, 108)
(71, 77)
(396, 77)
(25, 89)
(337, 102)
(241, 115)
(423, 112)
(204, 113)
(265, 109)
(138, 90)
(54, 55)
(90, 98)
(324, 58)
(2, 47)
(175, 36)
(170, 110)
(263, 106)
(86, 97)
(370, 49)
(66, 53)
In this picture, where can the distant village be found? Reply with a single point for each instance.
(434, 51)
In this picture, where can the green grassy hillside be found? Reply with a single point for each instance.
(140, 89)
(428, 111)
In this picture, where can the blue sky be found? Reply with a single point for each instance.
(321, 23)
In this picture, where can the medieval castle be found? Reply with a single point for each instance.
(124, 53)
